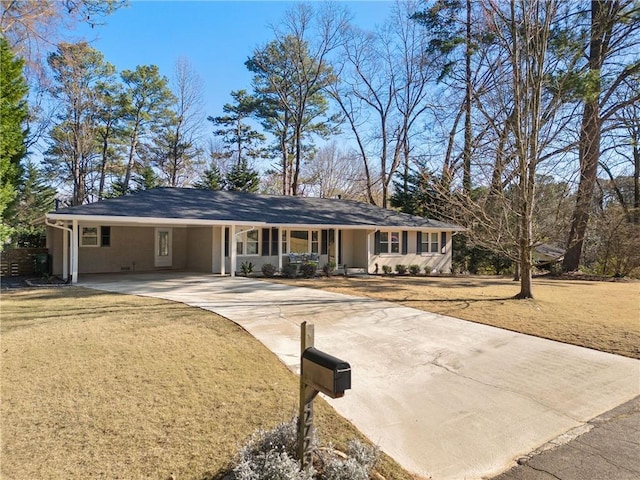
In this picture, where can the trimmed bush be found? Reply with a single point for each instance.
(308, 270)
(290, 270)
(414, 269)
(386, 269)
(269, 270)
(401, 269)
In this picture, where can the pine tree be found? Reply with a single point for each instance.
(211, 179)
(13, 114)
(35, 199)
(242, 178)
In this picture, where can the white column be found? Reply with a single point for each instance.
(368, 251)
(223, 260)
(281, 232)
(233, 247)
(65, 254)
(335, 245)
(75, 244)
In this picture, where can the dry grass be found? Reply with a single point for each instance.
(98, 385)
(600, 315)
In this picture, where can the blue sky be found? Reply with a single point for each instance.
(216, 36)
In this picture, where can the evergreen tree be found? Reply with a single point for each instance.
(13, 114)
(421, 196)
(35, 199)
(145, 179)
(211, 179)
(242, 141)
(242, 178)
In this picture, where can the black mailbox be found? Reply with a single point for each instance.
(325, 373)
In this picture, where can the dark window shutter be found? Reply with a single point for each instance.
(105, 236)
(340, 247)
(226, 241)
(376, 243)
(275, 235)
(419, 243)
(443, 242)
(325, 242)
(405, 242)
(265, 242)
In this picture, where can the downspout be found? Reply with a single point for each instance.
(65, 247)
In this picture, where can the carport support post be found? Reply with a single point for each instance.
(307, 394)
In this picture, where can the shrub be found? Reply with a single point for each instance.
(386, 269)
(401, 269)
(271, 455)
(414, 269)
(357, 466)
(427, 270)
(308, 269)
(246, 268)
(271, 466)
(290, 270)
(328, 268)
(268, 270)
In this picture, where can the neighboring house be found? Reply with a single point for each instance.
(545, 255)
(215, 231)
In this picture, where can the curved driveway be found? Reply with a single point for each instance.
(447, 398)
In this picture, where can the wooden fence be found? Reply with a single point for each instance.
(16, 262)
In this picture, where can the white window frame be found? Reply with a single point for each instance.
(242, 243)
(428, 243)
(435, 235)
(84, 236)
(387, 246)
(313, 240)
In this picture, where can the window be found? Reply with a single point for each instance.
(395, 242)
(284, 241)
(315, 241)
(434, 243)
(163, 243)
(299, 241)
(430, 242)
(89, 237)
(95, 236)
(247, 243)
(424, 242)
(389, 242)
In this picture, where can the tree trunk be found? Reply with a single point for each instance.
(526, 288)
(589, 158)
(131, 162)
(589, 150)
(466, 180)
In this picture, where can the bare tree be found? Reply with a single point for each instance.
(33, 28)
(334, 173)
(383, 94)
(176, 150)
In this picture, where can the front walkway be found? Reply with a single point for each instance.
(445, 397)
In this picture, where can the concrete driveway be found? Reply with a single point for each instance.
(447, 398)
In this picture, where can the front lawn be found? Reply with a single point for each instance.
(98, 385)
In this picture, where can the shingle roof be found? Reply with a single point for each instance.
(225, 206)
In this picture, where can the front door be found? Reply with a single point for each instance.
(163, 247)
